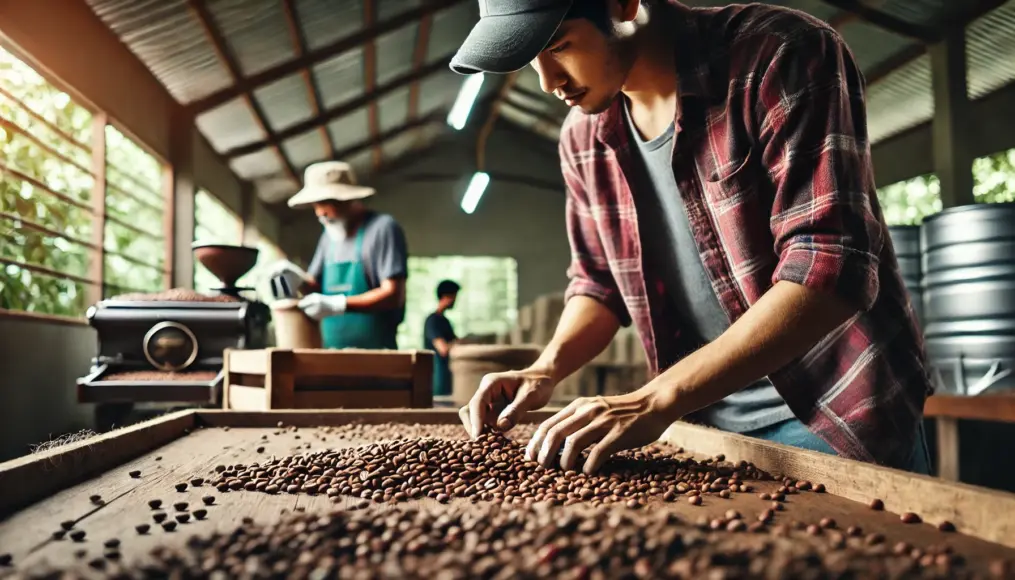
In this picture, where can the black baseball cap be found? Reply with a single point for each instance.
(509, 35)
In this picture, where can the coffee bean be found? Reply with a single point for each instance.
(910, 518)
(155, 503)
(159, 517)
(765, 496)
(220, 468)
(725, 494)
(200, 513)
(180, 506)
(874, 539)
(854, 531)
(736, 526)
(97, 563)
(946, 526)
(766, 516)
(181, 487)
(95, 498)
(197, 482)
(80, 554)
(77, 535)
(803, 485)
(776, 506)
(6, 559)
(169, 525)
(208, 499)
(158, 458)
(260, 450)
(733, 515)
(877, 505)
(183, 518)
(135, 474)
(827, 523)
(142, 528)
(633, 504)
(902, 549)
(59, 534)
(819, 488)
(694, 500)
(836, 540)
(222, 487)
(67, 525)
(814, 530)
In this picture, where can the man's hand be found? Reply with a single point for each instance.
(319, 306)
(293, 276)
(503, 397)
(604, 425)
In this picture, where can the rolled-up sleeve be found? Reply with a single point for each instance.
(814, 142)
(589, 272)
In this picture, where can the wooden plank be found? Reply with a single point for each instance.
(999, 408)
(253, 362)
(280, 382)
(97, 266)
(336, 417)
(948, 448)
(354, 363)
(37, 476)
(352, 399)
(973, 510)
(243, 398)
(422, 379)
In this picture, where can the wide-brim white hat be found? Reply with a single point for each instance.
(329, 180)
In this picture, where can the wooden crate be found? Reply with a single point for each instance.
(259, 380)
(41, 490)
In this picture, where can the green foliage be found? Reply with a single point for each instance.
(28, 170)
(487, 303)
(994, 177)
(213, 224)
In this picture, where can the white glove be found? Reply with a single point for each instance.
(294, 276)
(318, 306)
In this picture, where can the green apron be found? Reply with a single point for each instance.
(353, 329)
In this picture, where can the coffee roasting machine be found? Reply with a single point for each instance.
(167, 347)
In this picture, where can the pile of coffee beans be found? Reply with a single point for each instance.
(507, 542)
(491, 468)
(175, 295)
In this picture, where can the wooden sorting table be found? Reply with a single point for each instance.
(40, 491)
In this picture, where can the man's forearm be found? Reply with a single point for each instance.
(783, 325)
(586, 327)
(374, 300)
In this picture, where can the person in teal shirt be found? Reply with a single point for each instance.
(439, 335)
(355, 285)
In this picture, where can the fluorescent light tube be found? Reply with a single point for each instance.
(475, 191)
(459, 114)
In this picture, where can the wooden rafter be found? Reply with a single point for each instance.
(885, 20)
(418, 58)
(381, 138)
(370, 78)
(312, 57)
(342, 109)
(533, 112)
(313, 91)
(218, 42)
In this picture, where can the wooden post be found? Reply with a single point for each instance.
(97, 266)
(948, 448)
(953, 157)
(180, 190)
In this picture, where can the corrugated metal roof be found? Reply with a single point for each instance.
(350, 129)
(168, 40)
(394, 53)
(392, 109)
(871, 45)
(902, 100)
(285, 102)
(450, 27)
(231, 125)
(361, 163)
(257, 165)
(390, 8)
(990, 49)
(255, 30)
(340, 79)
(922, 12)
(326, 21)
(302, 150)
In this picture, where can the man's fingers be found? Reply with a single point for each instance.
(463, 414)
(600, 452)
(535, 444)
(523, 402)
(479, 406)
(580, 440)
(556, 435)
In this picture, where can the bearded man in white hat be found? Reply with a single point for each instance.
(356, 279)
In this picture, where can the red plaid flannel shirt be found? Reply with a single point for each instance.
(772, 161)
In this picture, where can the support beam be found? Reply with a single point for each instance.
(370, 79)
(97, 266)
(218, 42)
(313, 91)
(953, 157)
(884, 20)
(534, 113)
(381, 138)
(491, 119)
(341, 110)
(309, 59)
(181, 189)
(418, 58)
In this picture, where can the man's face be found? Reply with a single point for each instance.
(585, 66)
(450, 300)
(331, 210)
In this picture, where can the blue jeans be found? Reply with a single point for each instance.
(794, 433)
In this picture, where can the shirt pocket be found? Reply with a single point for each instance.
(732, 182)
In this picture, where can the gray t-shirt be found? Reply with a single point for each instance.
(385, 255)
(669, 245)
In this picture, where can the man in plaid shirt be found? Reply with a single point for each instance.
(721, 198)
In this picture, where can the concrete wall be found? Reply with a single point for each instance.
(516, 220)
(40, 362)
